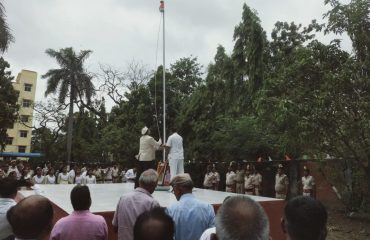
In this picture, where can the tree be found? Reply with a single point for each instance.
(5, 36)
(8, 102)
(248, 54)
(71, 79)
(354, 19)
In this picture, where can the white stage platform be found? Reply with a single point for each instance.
(105, 196)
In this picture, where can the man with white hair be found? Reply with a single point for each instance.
(132, 204)
(146, 156)
(190, 215)
(240, 218)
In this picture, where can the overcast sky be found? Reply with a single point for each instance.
(121, 30)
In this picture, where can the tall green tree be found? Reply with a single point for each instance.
(5, 36)
(72, 80)
(248, 53)
(8, 102)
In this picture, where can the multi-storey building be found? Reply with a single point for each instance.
(19, 137)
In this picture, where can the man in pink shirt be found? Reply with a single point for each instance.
(81, 224)
(132, 204)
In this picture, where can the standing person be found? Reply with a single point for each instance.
(132, 204)
(26, 174)
(146, 155)
(208, 178)
(46, 168)
(38, 178)
(239, 178)
(63, 177)
(50, 177)
(8, 192)
(115, 174)
(257, 182)
(281, 183)
(81, 224)
(308, 184)
(230, 179)
(191, 216)
(123, 175)
(248, 182)
(78, 176)
(99, 174)
(175, 149)
(130, 175)
(89, 178)
(71, 173)
(216, 179)
(108, 176)
(13, 167)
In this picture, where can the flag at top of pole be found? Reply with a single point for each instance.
(161, 6)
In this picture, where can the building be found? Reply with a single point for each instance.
(19, 137)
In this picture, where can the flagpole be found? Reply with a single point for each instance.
(161, 9)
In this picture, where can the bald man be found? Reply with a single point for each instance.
(240, 217)
(31, 218)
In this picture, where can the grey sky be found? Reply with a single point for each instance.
(121, 30)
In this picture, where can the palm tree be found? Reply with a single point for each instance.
(71, 78)
(5, 35)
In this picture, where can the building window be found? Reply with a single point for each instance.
(23, 133)
(24, 118)
(26, 103)
(9, 141)
(27, 87)
(22, 149)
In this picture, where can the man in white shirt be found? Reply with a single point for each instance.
(71, 174)
(130, 175)
(146, 155)
(308, 184)
(108, 175)
(230, 179)
(13, 168)
(8, 191)
(175, 151)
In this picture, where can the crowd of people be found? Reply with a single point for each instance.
(139, 216)
(247, 180)
(67, 174)
(239, 179)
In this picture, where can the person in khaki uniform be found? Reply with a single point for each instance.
(208, 178)
(281, 183)
(230, 179)
(257, 182)
(308, 184)
(248, 182)
(239, 178)
(216, 179)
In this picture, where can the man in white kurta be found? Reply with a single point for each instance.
(175, 153)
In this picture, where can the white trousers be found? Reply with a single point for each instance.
(176, 166)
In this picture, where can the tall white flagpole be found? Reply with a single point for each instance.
(161, 9)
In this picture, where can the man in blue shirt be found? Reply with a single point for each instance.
(190, 215)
